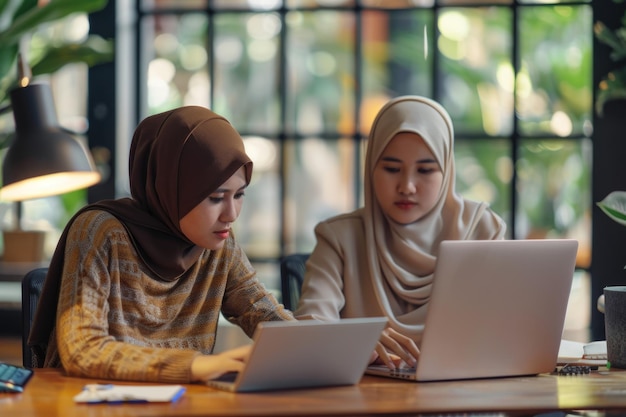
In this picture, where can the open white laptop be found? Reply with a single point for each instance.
(497, 309)
(307, 353)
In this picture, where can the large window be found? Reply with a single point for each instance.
(302, 81)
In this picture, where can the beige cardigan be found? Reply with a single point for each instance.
(338, 283)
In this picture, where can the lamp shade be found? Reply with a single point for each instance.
(43, 159)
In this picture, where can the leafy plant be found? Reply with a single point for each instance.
(19, 18)
(613, 85)
(614, 205)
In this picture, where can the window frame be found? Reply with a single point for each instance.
(607, 171)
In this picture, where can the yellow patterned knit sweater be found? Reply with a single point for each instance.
(116, 320)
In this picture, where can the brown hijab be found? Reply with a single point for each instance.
(177, 159)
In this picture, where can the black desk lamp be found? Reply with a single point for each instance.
(43, 159)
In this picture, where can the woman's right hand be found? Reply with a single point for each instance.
(206, 367)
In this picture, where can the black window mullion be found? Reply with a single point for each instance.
(515, 138)
(358, 99)
(282, 134)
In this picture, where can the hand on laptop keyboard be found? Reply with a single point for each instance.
(399, 364)
(206, 367)
(394, 348)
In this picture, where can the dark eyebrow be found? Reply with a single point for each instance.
(225, 190)
(419, 161)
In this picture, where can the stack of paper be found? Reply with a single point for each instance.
(592, 353)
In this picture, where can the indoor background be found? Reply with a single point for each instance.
(302, 81)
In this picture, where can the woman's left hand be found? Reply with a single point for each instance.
(393, 348)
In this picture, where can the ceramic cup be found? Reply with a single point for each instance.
(615, 325)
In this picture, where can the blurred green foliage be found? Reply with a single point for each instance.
(21, 18)
(613, 84)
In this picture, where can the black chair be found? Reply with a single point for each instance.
(32, 284)
(291, 277)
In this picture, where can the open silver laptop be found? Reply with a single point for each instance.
(307, 353)
(497, 309)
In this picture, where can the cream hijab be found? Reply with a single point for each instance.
(402, 257)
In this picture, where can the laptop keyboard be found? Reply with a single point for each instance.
(228, 377)
(13, 378)
(403, 372)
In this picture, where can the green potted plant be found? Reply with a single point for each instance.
(613, 301)
(613, 85)
(614, 206)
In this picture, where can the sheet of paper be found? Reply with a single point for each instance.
(109, 393)
(571, 352)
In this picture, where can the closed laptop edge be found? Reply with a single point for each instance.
(306, 354)
(497, 309)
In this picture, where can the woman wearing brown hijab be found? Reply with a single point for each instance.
(141, 281)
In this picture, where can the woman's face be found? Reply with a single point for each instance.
(208, 224)
(407, 178)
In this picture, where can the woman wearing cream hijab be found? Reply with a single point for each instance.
(379, 259)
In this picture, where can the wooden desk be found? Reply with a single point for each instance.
(50, 393)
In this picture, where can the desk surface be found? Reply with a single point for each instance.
(50, 393)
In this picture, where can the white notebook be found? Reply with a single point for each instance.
(113, 393)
